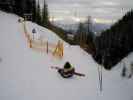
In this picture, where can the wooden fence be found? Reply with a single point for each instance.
(43, 46)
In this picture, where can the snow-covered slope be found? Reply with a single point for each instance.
(26, 75)
(42, 32)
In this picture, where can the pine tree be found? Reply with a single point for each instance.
(34, 10)
(118, 38)
(6, 5)
(90, 34)
(38, 14)
(18, 7)
(88, 24)
(45, 19)
(82, 34)
(28, 6)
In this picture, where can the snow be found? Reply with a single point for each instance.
(25, 74)
(41, 33)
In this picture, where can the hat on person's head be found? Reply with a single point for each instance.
(67, 65)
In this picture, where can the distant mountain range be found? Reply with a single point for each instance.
(98, 27)
(95, 27)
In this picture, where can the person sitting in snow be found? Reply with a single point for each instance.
(67, 71)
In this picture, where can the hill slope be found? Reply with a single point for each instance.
(116, 42)
(26, 75)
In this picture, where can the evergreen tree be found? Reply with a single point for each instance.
(116, 42)
(38, 14)
(80, 33)
(6, 5)
(18, 7)
(88, 24)
(34, 10)
(90, 34)
(28, 6)
(45, 16)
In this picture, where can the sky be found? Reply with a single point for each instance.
(101, 11)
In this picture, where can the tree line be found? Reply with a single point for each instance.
(115, 43)
(21, 7)
(85, 37)
(39, 15)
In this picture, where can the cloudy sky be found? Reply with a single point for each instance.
(102, 11)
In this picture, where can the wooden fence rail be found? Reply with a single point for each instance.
(44, 46)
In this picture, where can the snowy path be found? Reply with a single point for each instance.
(26, 75)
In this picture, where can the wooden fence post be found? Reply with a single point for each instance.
(62, 49)
(30, 43)
(59, 49)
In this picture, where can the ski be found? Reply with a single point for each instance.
(75, 73)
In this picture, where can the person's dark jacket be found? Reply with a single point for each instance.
(67, 71)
